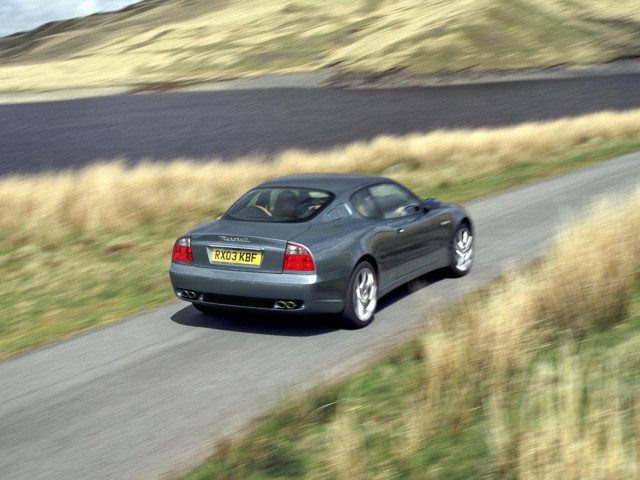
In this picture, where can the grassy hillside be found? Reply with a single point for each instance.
(158, 41)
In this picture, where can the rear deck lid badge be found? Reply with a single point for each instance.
(234, 239)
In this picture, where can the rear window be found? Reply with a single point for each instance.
(279, 205)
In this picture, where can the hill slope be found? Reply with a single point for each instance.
(160, 41)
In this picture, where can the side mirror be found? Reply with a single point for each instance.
(410, 209)
(431, 204)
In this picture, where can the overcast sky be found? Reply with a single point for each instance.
(22, 15)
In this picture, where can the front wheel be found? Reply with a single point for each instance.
(462, 250)
(361, 297)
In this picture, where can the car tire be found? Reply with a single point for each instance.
(361, 297)
(462, 251)
(204, 308)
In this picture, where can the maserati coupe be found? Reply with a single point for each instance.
(319, 243)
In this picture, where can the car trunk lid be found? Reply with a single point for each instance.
(238, 245)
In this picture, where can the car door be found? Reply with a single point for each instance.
(403, 234)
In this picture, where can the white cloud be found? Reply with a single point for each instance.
(86, 7)
(21, 15)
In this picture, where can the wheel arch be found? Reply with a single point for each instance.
(466, 220)
(367, 257)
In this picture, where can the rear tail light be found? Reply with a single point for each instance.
(182, 250)
(297, 258)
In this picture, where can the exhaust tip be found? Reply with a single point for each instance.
(285, 304)
(189, 294)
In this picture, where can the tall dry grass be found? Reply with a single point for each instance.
(574, 420)
(584, 284)
(564, 417)
(347, 453)
(113, 196)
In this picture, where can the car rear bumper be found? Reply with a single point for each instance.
(258, 290)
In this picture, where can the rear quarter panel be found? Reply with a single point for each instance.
(336, 246)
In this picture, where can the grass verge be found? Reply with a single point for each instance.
(536, 377)
(84, 248)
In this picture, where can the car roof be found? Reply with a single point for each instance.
(334, 182)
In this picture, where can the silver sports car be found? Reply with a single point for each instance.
(319, 244)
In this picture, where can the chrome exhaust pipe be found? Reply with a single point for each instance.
(189, 294)
(285, 305)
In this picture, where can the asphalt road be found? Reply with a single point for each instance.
(228, 124)
(147, 395)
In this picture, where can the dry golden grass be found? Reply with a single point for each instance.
(347, 453)
(114, 197)
(584, 284)
(196, 41)
(573, 422)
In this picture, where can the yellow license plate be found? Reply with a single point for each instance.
(242, 257)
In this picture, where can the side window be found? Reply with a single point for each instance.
(365, 204)
(394, 201)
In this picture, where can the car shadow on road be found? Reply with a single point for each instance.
(266, 323)
(262, 323)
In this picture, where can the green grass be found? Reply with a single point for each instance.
(92, 279)
(79, 284)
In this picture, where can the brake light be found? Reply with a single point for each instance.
(297, 258)
(182, 250)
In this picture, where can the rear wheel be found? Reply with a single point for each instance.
(361, 298)
(462, 250)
